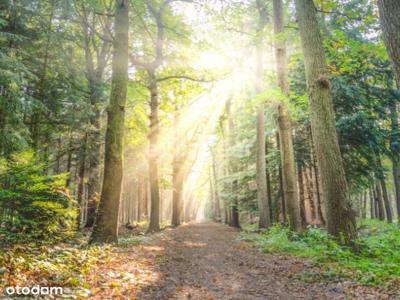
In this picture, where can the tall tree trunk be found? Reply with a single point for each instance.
(261, 176)
(177, 182)
(154, 225)
(139, 203)
(234, 211)
(317, 183)
(385, 196)
(364, 205)
(106, 226)
(372, 203)
(269, 189)
(285, 123)
(310, 192)
(389, 11)
(217, 208)
(69, 161)
(379, 201)
(395, 152)
(340, 216)
(281, 193)
(81, 186)
(301, 196)
(289, 170)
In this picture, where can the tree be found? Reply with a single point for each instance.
(389, 11)
(340, 216)
(106, 226)
(285, 124)
(261, 175)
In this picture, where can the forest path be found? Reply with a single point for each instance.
(206, 261)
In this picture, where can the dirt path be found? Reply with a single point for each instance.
(206, 261)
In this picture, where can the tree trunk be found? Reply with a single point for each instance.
(379, 201)
(281, 193)
(81, 186)
(234, 211)
(261, 176)
(106, 226)
(154, 225)
(388, 206)
(285, 123)
(317, 183)
(269, 189)
(372, 203)
(69, 161)
(340, 216)
(382, 187)
(310, 192)
(364, 205)
(217, 209)
(177, 182)
(395, 152)
(301, 196)
(289, 170)
(389, 11)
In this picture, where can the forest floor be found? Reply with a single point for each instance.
(207, 261)
(193, 261)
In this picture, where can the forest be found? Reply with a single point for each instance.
(199, 149)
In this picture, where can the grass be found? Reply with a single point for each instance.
(376, 263)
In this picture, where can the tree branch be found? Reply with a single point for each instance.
(184, 77)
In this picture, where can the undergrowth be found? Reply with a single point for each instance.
(377, 262)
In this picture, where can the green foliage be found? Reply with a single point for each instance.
(377, 261)
(35, 206)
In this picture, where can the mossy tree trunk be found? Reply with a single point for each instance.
(389, 11)
(340, 215)
(106, 225)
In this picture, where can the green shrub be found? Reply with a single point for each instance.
(34, 206)
(376, 262)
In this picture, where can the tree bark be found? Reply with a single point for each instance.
(389, 11)
(234, 211)
(261, 176)
(81, 186)
(217, 208)
(372, 203)
(285, 123)
(385, 196)
(340, 216)
(289, 170)
(364, 205)
(301, 196)
(281, 193)
(106, 226)
(154, 225)
(395, 153)
(177, 182)
(379, 201)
